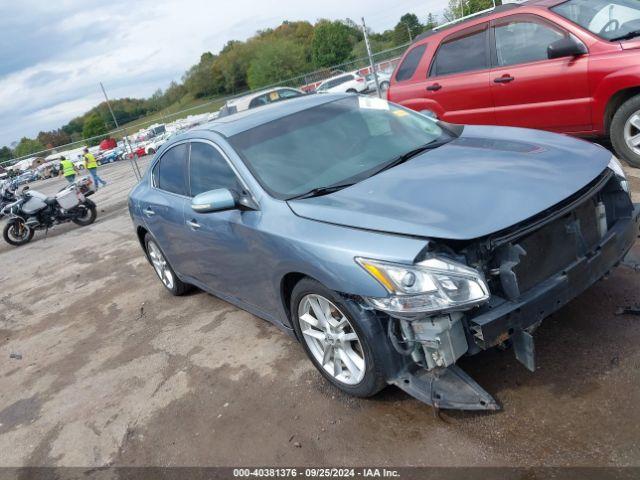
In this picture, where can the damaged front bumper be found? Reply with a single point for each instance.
(432, 376)
(502, 319)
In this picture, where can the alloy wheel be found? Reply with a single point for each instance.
(632, 132)
(331, 338)
(160, 265)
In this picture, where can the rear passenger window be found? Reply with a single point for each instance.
(209, 170)
(462, 54)
(410, 63)
(172, 173)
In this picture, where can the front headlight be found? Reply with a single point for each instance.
(616, 167)
(434, 285)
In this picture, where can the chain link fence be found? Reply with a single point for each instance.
(384, 61)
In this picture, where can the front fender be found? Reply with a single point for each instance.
(621, 79)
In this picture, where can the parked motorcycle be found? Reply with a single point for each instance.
(7, 194)
(33, 211)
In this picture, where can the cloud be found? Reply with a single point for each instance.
(54, 54)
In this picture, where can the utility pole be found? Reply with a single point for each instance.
(134, 163)
(409, 32)
(371, 64)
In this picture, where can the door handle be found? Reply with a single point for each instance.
(193, 224)
(148, 212)
(434, 88)
(504, 79)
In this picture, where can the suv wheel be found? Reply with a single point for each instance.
(337, 338)
(165, 273)
(625, 131)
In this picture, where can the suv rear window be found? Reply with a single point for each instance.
(410, 63)
(462, 54)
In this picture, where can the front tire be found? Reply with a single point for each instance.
(163, 269)
(338, 338)
(625, 131)
(351, 90)
(17, 233)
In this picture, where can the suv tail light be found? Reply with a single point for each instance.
(359, 79)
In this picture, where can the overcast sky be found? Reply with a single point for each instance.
(53, 54)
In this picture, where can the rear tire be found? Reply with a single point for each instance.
(351, 90)
(163, 269)
(625, 131)
(366, 327)
(90, 214)
(16, 233)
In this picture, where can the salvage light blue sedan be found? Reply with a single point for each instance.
(390, 244)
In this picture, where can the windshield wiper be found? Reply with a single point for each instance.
(409, 155)
(319, 191)
(626, 36)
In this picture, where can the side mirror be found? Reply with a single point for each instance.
(214, 201)
(566, 47)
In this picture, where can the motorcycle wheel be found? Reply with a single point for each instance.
(17, 233)
(87, 215)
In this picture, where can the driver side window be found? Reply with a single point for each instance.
(209, 170)
(524, 41)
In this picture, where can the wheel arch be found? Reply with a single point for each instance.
(141, 233)
(287, 284)
(615, 102)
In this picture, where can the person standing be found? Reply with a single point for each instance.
(68, 169)
(91, 164)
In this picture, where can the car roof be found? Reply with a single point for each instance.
(338, 76)
(497, 10)
(246, 99)
(248, 119)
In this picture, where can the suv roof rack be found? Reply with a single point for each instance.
(497, 9)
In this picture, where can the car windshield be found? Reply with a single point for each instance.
(345, 140)
(609, 19)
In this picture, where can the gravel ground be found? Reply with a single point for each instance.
(115, 371)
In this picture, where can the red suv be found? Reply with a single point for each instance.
(566, 66)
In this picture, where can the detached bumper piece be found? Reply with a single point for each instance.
(448, 387)
(433, 377)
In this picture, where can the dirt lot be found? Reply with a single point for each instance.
(114, 371)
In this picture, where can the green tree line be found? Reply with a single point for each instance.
(270, 56)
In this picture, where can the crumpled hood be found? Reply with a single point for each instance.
(488, 179)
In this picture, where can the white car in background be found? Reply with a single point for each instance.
(343, 83)
(258, 99)
(155, 143)
(384, 80)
